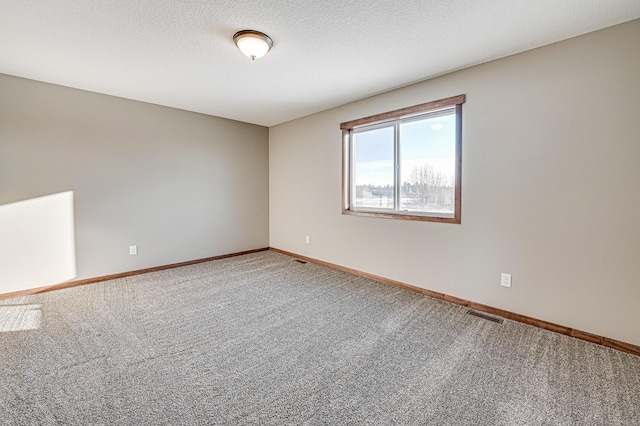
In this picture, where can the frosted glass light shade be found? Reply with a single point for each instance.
(253, 44)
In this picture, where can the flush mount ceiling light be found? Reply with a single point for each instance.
(253, 44)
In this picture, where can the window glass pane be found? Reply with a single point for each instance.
(427, 164)
(373, 152)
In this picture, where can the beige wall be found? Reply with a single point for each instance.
(550, 193)
(179, 185)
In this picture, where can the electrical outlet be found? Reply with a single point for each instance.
(133, 250)
(306, 239)
(505, 280)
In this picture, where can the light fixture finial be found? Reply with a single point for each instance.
(253, 44)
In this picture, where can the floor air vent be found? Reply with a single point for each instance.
(300, 261)
(484, 316)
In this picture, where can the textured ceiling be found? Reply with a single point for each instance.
(326, 53)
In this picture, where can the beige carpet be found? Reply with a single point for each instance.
(262, 339)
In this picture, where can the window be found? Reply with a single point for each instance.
(405, 164)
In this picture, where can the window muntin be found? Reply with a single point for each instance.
(406, 163)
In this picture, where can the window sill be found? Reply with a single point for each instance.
(402, 216)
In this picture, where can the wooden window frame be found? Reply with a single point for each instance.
(392, 116)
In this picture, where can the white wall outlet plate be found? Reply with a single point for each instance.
(133, 250)
(505, 280)
(306, 239)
